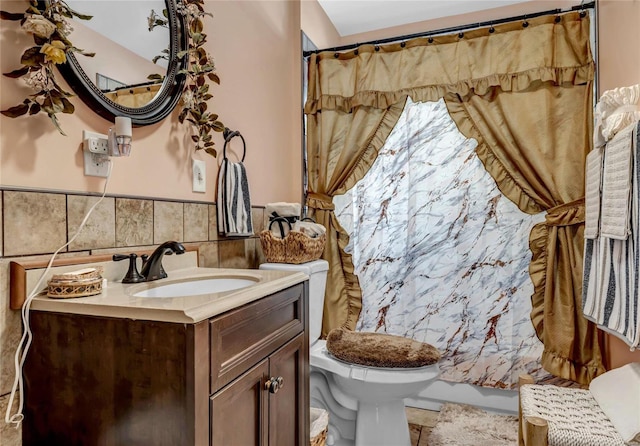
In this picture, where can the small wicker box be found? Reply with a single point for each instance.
(81, 283)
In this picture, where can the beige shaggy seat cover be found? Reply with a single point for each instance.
(380, 350)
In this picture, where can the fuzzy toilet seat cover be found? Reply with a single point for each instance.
(380, 350)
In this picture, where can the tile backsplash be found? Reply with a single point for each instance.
(36, 223)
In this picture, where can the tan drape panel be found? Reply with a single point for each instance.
(134, 97)
(525, 94)
(341, 148)
(537, 160)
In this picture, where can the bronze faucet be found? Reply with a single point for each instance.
(152, 267)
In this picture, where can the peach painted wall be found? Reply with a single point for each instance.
(256, 45)
(619, 22)
(619, 38)
(618, 64)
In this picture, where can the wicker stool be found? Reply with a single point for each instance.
(561, 416)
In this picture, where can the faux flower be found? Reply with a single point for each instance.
(38, 25)
(38, 80)
(64, 25)
(54, 51)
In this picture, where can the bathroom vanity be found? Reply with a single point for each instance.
(236, 377)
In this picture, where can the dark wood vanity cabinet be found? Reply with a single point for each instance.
(246, 413)
(108, 381)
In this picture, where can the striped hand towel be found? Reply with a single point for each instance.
(234, 203)
(611, 282)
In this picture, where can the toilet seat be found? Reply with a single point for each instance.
(319, 357)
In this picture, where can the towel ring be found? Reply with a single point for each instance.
(228, 136)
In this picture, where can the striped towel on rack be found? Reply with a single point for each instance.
(612, 265)
(234, 203)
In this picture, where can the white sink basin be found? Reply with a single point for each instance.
(197, 287)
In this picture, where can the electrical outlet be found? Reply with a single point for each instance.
(96, 165)
(95, 142)
(96, 159)
(199, 176)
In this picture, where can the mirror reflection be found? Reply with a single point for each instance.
(131, 41)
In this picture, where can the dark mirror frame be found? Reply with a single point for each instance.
(168, 95)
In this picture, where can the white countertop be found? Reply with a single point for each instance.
(117, 299)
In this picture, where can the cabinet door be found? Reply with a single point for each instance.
(289, 406)
(239, 411)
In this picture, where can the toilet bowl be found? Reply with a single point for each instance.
(365, 404)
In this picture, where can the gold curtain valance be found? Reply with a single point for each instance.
(452, 64)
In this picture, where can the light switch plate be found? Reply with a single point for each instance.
(199, 176)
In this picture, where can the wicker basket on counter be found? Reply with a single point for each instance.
(294, 247)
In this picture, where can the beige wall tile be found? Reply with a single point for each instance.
(10, 332)
(34, 222)
(209, 255)
(260, 257)
(168, 221)
(257, 218)
(1, 244)
(213, 222)
(9, 435)
(234, 253)
(251, 252)
(134, 222)
(265, 220)
(196, 222)
(99, 230)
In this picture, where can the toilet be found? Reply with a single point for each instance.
(365, 404)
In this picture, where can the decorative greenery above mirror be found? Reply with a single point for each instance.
(186, 77)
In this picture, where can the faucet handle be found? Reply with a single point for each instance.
(132, 276)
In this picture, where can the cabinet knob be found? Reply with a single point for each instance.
(274, 384)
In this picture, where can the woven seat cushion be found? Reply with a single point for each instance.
(380, 350)
(573, 415)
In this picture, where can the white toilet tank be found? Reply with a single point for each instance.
(317, 272)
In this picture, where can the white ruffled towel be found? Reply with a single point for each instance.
(616, 109)
(234, 202)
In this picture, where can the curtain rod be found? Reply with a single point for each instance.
(453, 29)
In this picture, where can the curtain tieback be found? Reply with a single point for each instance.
(567, 214)
(320, 201)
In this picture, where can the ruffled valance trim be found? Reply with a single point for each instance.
(538, 274)
(368, 156)
(506, 81)
(505, 182)
(352, 284)
(569, 369)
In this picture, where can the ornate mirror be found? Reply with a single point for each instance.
(135, 69)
